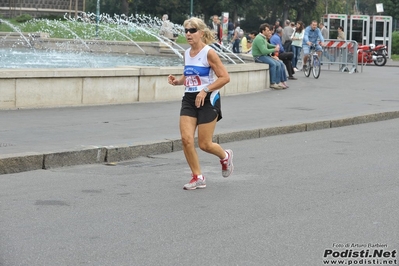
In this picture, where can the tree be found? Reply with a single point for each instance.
(125, 6)
(174, 9)
(306, 10)
(391, 8)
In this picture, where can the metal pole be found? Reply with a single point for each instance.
(70, 7)
(97, 16)
(191, 8)
(326, 7)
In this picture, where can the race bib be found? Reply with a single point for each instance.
(192, 81)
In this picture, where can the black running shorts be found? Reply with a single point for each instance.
(206, 113)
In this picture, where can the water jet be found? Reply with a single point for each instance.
(97, 84)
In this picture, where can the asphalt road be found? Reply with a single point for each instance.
(291, 199)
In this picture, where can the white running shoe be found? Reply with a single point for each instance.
(195, 183)
(227, 164)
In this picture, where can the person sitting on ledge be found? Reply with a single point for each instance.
(284, 56)
(262, 50)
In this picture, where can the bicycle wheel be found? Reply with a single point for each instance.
(307, 68)
(316, 67)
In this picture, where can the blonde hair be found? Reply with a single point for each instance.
(199, 24)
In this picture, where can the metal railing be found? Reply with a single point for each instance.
(340, 53)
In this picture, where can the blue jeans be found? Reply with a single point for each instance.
(297, 53)
(326, 54)
(230, 35)
(283, 71)
(306, 48)
(274, 68)
(236, 46)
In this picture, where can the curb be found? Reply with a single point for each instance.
(15, 163)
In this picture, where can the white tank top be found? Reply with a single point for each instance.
(197, 71)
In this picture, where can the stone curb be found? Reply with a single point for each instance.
(15, 163)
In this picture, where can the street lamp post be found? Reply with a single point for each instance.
(191, 8)
(97, 16)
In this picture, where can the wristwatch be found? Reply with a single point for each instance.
(206, 89)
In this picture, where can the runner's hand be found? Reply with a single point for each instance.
(200, 99)
(172, 80)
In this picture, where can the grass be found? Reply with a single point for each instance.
(395, 57)
(72, 30)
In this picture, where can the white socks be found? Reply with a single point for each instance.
(227, 156)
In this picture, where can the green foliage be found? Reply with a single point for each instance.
(5, 28)
(23, 18)
(251, 24)
(52, 17)
(395, 43)
(178, 18)
(391, 8)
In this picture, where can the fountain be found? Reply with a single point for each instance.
(97, 82)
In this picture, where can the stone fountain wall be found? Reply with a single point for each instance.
(44, 88)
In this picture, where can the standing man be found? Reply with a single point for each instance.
(311, 36)
(236, 38)
(324, 30)
(288, 30)
(230, 30)
(167, 28)
(216, 28)
(276, 26)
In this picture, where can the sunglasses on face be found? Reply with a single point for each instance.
(191, 30)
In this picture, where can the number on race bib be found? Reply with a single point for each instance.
(192, 81)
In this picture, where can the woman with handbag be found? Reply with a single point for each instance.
(296, 45)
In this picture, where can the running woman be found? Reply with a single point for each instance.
(204, 74)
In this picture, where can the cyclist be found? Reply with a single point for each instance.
(311, 35)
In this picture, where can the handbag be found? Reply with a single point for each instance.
(287, 46)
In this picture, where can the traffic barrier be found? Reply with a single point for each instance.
(340, 53)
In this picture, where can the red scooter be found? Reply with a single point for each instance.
(367, 54)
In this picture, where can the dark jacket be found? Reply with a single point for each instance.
(219, 31)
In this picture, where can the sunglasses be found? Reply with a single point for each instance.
(191, 30)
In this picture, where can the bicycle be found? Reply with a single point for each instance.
(313, 64)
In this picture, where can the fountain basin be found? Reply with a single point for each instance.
(66, 87)
(41, 41)
(25, 58)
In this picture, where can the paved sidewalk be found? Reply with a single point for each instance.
(49, 138)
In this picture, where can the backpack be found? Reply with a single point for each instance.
(240, 33)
